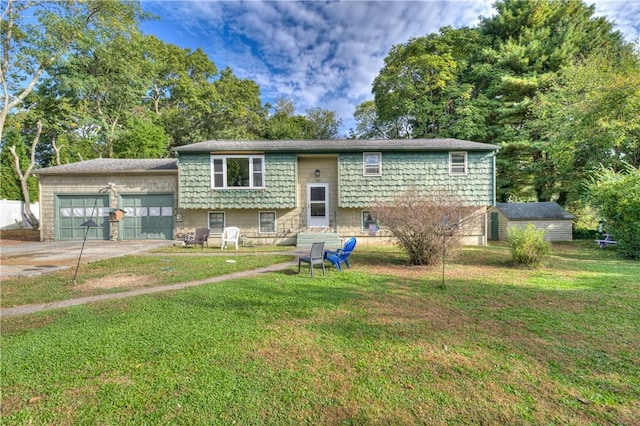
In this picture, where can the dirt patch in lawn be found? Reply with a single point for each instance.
(17, 236)
(127, 281)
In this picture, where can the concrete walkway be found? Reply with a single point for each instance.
(29, 309)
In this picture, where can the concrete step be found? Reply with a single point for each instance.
(331, 240)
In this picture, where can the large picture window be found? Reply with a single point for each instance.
(458, 163)
(237, 171)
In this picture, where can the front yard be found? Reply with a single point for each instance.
(381, 343)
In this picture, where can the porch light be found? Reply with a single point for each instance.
(317, 172)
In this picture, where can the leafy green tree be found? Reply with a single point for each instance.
(590, 117)
(528, 44)
(142, 139)
(321, 124)
(616, 195)
(482, 84)
(59, 125)
(284, 124)
(10, 188)
(182, 92)
(369, 125)
(106, 86)
(35, 34)
(419, 91)
(238, 112)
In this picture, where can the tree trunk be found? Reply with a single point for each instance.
(24, 178)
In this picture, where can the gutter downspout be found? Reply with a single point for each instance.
(41, 231)
(493, 202)
(493, 197)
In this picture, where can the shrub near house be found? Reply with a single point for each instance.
(528, 245)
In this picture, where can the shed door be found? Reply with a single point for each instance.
(147, 217)
(495, 226)
(74, 210)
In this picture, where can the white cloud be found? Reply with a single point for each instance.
(624, 14)
(327, 54)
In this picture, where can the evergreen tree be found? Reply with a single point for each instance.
(529, 43)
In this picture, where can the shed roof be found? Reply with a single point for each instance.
(542, 210)
(113, 165)
(337, 145)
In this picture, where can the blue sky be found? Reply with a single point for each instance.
(323, 54)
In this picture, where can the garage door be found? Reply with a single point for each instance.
(74, 210)
(147, 217)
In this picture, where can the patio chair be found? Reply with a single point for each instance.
(200, 237)
(342, 254)
(230, 234)
(315, 257)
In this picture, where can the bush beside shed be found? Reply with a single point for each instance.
(549, 216)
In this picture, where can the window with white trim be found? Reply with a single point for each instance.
(216, 222)
(372, 163)
(457, 163)
(237, 171)
(267, 223)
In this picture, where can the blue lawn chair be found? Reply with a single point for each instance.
(342, 254)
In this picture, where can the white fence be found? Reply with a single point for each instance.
(11, 214)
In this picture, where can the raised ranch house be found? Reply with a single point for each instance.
(276, 192)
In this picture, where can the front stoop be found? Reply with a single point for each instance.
(331, 240)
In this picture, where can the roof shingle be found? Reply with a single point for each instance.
(542, 210)
(113, 165)
(337, 145)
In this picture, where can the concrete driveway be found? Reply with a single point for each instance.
(34, 258)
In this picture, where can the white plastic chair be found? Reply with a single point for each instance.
(230, 234)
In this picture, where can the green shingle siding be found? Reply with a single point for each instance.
(196, 192)
(400, 171)
(422, 170)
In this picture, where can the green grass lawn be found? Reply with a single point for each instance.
(381, 343)
(128, 272)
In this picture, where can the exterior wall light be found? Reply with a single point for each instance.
(317, 172)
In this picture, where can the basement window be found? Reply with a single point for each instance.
(216, 222)
(267, 223)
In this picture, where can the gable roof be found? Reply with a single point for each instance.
(337, 145)
(542, 210)
(113, 165)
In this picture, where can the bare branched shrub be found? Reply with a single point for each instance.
(423, 222)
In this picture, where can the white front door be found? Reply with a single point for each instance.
(317, 205)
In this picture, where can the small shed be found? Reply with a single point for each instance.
(549, 216)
